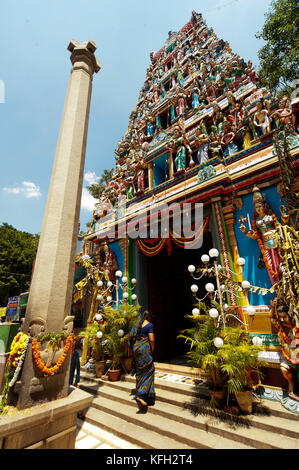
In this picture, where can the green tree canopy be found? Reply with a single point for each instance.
(279, 56)
(17, 253)
(96, 188)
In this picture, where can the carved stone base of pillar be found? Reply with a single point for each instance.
(36, 387)
(50, 426)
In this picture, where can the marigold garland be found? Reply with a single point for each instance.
(16, 349)
(42, 367)
(260, 242)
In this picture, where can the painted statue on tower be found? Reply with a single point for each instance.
(264, 228)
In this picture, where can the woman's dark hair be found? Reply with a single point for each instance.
(145, 316)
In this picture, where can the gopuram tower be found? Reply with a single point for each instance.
(204, 131)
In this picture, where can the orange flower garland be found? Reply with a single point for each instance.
(260, 242)
(42, 367)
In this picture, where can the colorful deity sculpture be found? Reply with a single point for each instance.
(195, 97)
(203, 142)
(264, 227)
(181, 102)
(288, 336)
(180, 159)
(261, 119)
(227, 140)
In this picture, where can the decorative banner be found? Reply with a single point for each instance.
(2, 312)
(188, 242)
(153, 246)
(78, 294)
(12, 306)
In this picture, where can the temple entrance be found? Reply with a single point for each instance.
(170, 297)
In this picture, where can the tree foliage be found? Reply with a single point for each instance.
(96, 188)
(279, 56)
(17, 253)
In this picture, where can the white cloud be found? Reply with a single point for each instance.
(91, 177)
(87, 201)
(27, 188)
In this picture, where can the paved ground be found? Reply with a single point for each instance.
(92, 437)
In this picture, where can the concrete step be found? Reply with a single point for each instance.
(179, 370)
(192, 390)
(178, 394)
(167, 434)
(258, 431)
(135, 433)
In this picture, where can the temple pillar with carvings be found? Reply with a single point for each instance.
(50, 296)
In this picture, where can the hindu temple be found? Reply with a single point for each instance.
(204, 133)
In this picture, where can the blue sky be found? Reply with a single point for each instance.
(35, 69)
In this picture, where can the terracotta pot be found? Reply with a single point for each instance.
(114, 375)
(100, 368)
(217, 397)
(245, 399)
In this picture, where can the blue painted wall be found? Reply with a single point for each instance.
(249, 249)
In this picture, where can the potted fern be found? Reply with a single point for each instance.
(116, 338)
(203, 352)
(130, 313)
(94, 335)
(239, 359)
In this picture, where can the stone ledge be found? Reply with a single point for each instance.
(40, 424)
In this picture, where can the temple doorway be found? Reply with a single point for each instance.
(170, 297)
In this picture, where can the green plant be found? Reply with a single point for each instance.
(117, 330)
(90, 334)
(239, 359)
(203, 353)
(231, 365)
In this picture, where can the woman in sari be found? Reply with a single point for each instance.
(142, 343)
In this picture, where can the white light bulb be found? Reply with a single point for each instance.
(241, 261)
(99, 334)
(191, 268)
(218, 342)
(225, 307)
(100, 283)
(213, 312)
(118, 274)
(205, 259)
(250, 310)
(210, 287)
(109, 298)
(223, 287)
(120, 333)
(257, 341)
(109, 283)
(125, 295)
(194, 288)
(125, 279)
(133, 280)
(245, 284)
(98, 317)
(213, 253)
(195, 312)
(99, 297)
(134, 297)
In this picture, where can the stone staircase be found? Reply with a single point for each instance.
(179, 419)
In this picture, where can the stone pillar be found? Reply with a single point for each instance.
(50, 297)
